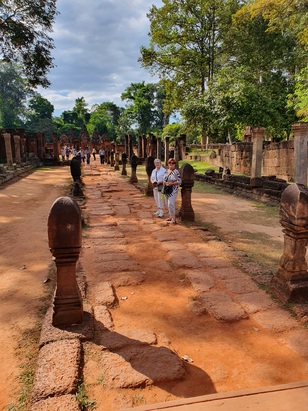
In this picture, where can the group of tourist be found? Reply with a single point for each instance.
(165, 188)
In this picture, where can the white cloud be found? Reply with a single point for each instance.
(97, 47)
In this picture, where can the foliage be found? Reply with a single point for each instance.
(13, 93)
(24, 28)
(104, 119)
(144, 110)
(39, 116)
(299, 99)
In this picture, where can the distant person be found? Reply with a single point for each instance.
(172, 181)
(102, 155)
(156, 178)
(94, 153)
(88, 154)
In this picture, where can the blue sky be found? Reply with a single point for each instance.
(97, 47)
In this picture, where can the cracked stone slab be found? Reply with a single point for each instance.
(111, 256)
(297, 341)
(215, 262)
(57, 370)
(103, 319)
(228, 272)
(133, 366)
(222, 307)
(114, 341)
(183, 259)
(200, 281)
(111, 233)
(83, 331)
(173, 246)
(104, 294)
(119, 279)
(255, 302)
(245, 285)
(65, 402)
(119, 265)
(275, 320)
(122, 210)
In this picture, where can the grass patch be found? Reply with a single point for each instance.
(83, 400)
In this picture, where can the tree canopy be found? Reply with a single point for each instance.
(24, 28)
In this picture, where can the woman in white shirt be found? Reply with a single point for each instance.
(157, 181)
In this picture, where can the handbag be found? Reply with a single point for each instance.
(167, 190)
(160, 186)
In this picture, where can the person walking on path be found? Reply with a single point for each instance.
(94, 153)
(156, 178)
(171, 181)
(102, 155)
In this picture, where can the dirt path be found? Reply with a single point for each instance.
(226, 356)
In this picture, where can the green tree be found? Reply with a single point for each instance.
(39, 116)
(145, 104)
(24, 28)
(187, 47)
(13, 93)
(104, 119)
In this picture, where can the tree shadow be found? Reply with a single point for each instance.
(137, 358)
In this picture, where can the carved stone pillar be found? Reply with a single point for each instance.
(290, 283)
(300, 131)
(124, 162)
(133, 163)
(55, 146)
(64, 234)
(158, 153)
(17, 149)
(188, 180)
(257, 150)
(140, 146)
(167, 142)
(149, 167)
(117, 161)
(8, 149)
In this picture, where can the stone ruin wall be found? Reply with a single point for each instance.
(278, 159)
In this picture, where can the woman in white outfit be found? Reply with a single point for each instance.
(172, 181)
(157, 181)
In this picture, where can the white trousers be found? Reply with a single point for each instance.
(160, 202)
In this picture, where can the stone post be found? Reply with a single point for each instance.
(17, 149)
(23, 149)
(117, 161)
(158, 154)
(55, 146)
(167, 141)
(149, 167)
(188, 180)
(140, 147)
(111, 158)
(290, 283)
(256, 162)
(134, 162)
(124, 162)
(144, 146)
(8, 149)
(300, 131)
(64, 234)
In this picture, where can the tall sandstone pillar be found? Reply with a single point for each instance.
(8, 149)
(257, 151)
(300, 131)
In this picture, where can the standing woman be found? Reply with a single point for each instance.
(172, 180)
(156, 178)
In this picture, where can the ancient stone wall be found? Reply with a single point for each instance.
(278, 159)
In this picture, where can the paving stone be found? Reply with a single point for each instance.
(104, 294)
(160, 265)
(198, 308)
(84, 331)
(144, 214)
(108, 242)
(245, 285)
(129, 228)
(114, 341)
(111, 233)
(297, 340)
(183, 259)
(123, 210)
(63, 403)
(215, 262)
(164, 236)
(222, 307)
(133, 366)
(103, 319)
(99, 213)
(228, 272)
(119, 279)
(255, 302)
(57, 370)
(111, 256)
(200, 281)
(275, 320)
(173, 246)
(119, 265)
(202, 250)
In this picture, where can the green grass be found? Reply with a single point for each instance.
(199, 166)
